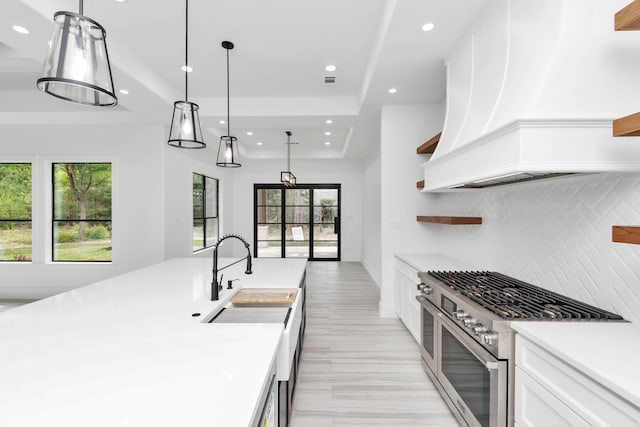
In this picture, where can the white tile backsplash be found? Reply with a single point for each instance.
(553, 233)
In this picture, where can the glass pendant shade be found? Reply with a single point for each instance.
(77, 66)
(185, 129)
(228, 152)
(288, 179)
(185, 126)
(228, 156)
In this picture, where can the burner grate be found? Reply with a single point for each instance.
(513, 299)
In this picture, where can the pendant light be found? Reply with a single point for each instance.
(287, 177)
(77, 65)
(228, 149)
(185, 124)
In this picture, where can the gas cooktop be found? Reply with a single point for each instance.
(512, 299)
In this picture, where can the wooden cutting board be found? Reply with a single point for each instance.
(265, 296)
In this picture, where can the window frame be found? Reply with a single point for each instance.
(30, 219)
(204, 217)
(53, 219)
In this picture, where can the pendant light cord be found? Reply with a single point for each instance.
(186, 52)
(289, 152)
(81, 7)
(228, 121)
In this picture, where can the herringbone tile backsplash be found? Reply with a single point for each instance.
(555, 234)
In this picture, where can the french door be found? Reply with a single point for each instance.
(297, 222)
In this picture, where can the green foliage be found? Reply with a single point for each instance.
(83, 251)
(67, 235)
(97, 232)
(15, 190)
(82, 190)
(15, 242)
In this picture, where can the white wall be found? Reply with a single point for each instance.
(137, 201)
(371, 215)
(403, 129)
(347, 173)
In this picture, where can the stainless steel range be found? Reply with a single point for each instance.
(467, 341)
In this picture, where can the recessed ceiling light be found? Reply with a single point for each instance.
(249, 133)
(187, 68)
(19, 29)
(124, 91)
(222, 122)
(330, 67)
(428, 26)
(327, 133)
(121, 1)
(329, 122)
(327, 143)
(393, 90)
(258, 143)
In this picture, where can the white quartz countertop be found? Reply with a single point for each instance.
(431, 261)
(607, 352)
(127, 351)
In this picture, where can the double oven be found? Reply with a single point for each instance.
(471, 379)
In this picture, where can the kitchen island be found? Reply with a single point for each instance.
(136, 350)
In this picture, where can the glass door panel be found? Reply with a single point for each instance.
(268, 223)
(297, 241)
(297, 235)
(326, 223)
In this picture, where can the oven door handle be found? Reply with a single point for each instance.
(483, 356)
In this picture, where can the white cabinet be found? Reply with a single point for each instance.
(407, 308)
(550, 392)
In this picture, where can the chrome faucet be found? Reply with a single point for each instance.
(216, 285)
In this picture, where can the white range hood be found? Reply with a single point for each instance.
(532, 91)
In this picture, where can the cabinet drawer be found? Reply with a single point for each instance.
(592, 401)
(535, 406)
(410, 272)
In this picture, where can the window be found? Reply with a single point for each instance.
(15, 212)
(205, 212)
(82, 212)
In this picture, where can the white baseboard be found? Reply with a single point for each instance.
(375, 274)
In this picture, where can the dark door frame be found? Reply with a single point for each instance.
(283, 230)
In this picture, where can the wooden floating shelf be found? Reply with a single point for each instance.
(627, 126)
(625, 234)
(420, 184)
(451, 220)
(430, 146)
(628, 18)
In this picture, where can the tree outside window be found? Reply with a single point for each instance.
(82, 212)
(15, 212)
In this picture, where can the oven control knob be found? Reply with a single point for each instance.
(459, 315)
(468, 322)
(478, 329)
(489, 338)
(425, 289)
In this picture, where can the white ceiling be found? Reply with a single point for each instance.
(277, 65)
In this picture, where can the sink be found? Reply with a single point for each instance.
(262, 314)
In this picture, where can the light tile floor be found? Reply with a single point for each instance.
(358, 369)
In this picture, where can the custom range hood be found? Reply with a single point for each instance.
(531, 93)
